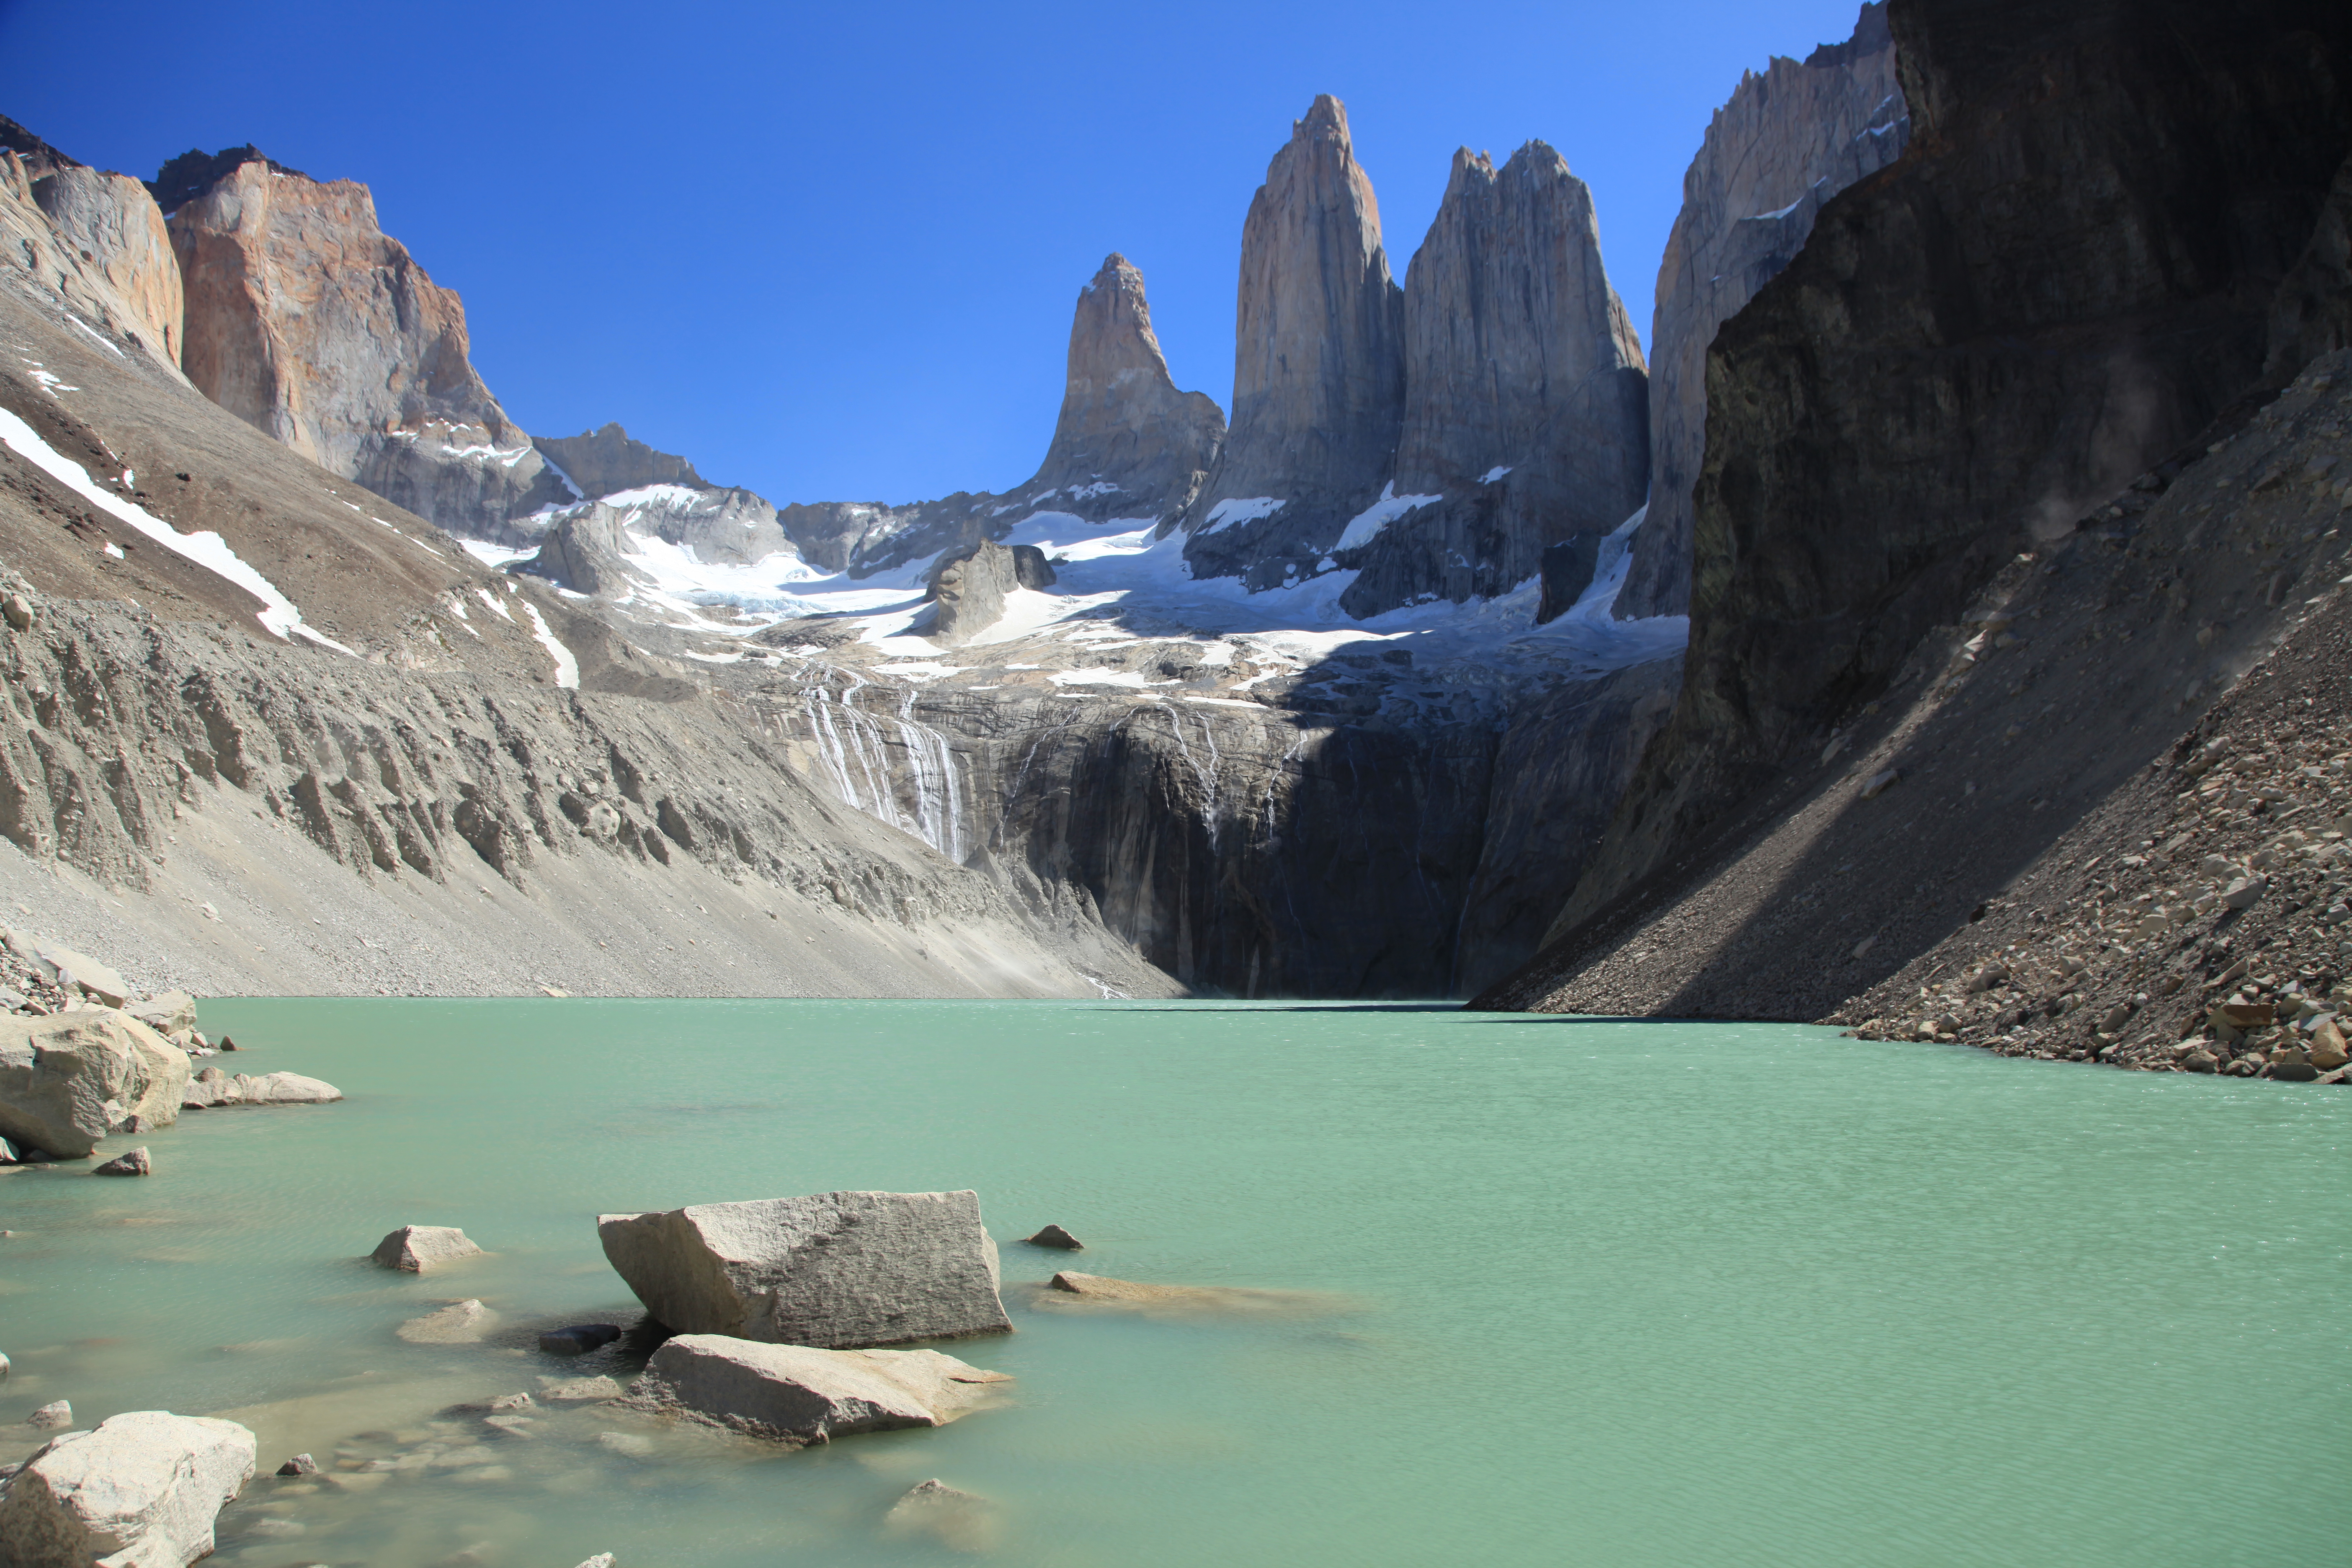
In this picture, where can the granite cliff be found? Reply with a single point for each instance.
(310, 324)
(1963, 381)
(92, 239)
(1790, 139)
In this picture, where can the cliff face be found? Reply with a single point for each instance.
(1524, 425)
(2071, 272)
(1126, 436)
(308, 323)
(1318, 366)
(1790, 140)
(95, 239)
(601, 461)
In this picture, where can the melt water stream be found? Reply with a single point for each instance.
(1580, 1291)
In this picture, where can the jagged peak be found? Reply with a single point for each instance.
(24, 144)
(195, 171)
(1326, 121)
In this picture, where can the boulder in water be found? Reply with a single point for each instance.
(802, 1395)
(836, 1270)
(69, 1079)
(458, 1324)
(50, 1416)
(135, 1164)
(956, 1519)
(1054, 1236)
(418, 1248)
(142, 1489)
(214, 1088)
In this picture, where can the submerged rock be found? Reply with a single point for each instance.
(956, 1519)
(213, 1088)
(418, 1248)
(299, 1465)
(579, 1339)
(577, 1390)
(140, 1491)
(1101, 1291)
(800, 1393)
(459, 1324)
(69, 1079)
(1054, 1236)
(829, 1270)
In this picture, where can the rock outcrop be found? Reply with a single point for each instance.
(600, 461)
(420, 1248)
(837, 1270)
(1524, 424)
(1960, 364)
(96, 239)
(310, 324)
(1127, 442)
(971, 585)
(67, 1081)
(597, 547)
(141, 1491)
(1318, 366)
(798, 1394)
(1790, 139)
(213, 1088)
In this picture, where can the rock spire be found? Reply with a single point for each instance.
(1319, 364)
(1123, 421)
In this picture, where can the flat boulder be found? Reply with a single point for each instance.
(800, 1393)
(140, 1491)
(415, 1248)
(69, 1079)
(834, 1270)
(165, 1012)
(213, 1088)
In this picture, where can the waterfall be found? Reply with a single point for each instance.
(1206, 775)
(857, 750)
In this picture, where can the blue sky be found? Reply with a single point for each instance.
(829, 252)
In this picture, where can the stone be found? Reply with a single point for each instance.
(970, 586)
(958, 1521)
(459, 1324)
(1318, 366)
(577, 1390)
(2243, 1014)
(213, 1088)
(56, 1413)
(1054, 1236)
(141, 1491)
(804, 1394)
(602, 1560)
(416, 1249)
(1790, 138)
(96, 239)
(69, 1079)
(91, 978)
(299, 1465)
(4, 1368)
(579, 1339)
(830, 1269)
(2328, 1046)
(1880, 782)
(166, 1011)
(512, 1402)
(2245, 892)
(135, 1162)
(19, 613)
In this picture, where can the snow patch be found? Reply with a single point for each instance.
(208, 549)
(1131, 678)
(567, 668)
(1496, 472)
(1227, 513)
(104, 340)
(1366, 525)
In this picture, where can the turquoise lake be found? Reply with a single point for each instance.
(1583, 1292)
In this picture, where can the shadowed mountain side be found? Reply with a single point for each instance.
(1962, 355)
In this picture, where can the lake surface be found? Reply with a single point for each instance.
(1592, 1292)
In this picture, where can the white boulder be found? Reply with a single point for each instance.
(67, 1081)
(415, 1248)
(832, 1269)
(141, 1491)
(213, 1088)
(166, 1013)
(802, 1395)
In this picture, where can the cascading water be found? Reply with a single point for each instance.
(857, 750)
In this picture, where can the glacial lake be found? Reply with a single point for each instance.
(1578, 1291)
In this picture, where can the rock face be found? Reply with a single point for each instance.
(416, 1248)
(67, 1081)
(140, 1491)
(1127, 443)
(1790, 140)
(595, 547)
(799, 1394)
(1318, 366)
(601, 461)
(310, 324)
(834, 1269)
(96, 238)
(1524, 407)
(1894, 422)
(971, 585)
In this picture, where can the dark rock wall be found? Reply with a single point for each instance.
(2071, 272)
